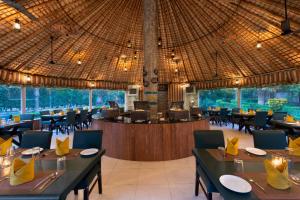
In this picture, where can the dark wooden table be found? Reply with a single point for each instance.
(11, 129)
(214, 169)
(75, 170)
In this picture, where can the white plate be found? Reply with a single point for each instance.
(89, 152)
(256, 151)
(235, 183)
(32, 151)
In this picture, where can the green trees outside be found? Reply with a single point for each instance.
(225, 98)
(48, 98)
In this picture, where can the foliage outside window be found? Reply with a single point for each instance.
(225, 98)
(10, 99)
(101, 97)
(45, 98)
(277, 98)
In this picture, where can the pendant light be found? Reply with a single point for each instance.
(17, 25)
(258, 43)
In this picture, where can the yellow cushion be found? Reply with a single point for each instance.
(21, 172)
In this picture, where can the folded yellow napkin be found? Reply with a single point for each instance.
(241, 111)
(277, 175)
(209, 108)
(294, 146)
(5, 146)
(232, 146)
(251, 112)
(61, 112)
(17, 118)
(218, 109)
(270, 112)
(51, 113)
(62, 147)
(21, 172)
(290, 119)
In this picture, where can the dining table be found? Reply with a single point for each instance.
(292, 127)
(215, 164)
(69, 171)
(10, 129)
(246, 117)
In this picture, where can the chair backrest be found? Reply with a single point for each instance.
(83, 115)
(223, 111)
(269, 139)
(279, 115)
(208, 139)
(45, 112)
(87, 139)
(94, 111)
(235, 110)
(57, 111)
(71, 117)
(260, 118)
(32, 139)
(6, 116)
(27, 117)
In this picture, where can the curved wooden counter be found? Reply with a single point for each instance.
(149, 142)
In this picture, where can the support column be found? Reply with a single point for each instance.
(238, 97)
(90, 99)
(23, 99)
(151, 58)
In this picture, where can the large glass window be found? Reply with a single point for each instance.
(45, 98)
(220, 97)
(277, 98)
(10, 99)
(101, 97)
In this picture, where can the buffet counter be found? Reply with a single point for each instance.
(149, 141)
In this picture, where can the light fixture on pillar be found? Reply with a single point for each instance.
(129, 45)
(125, 69)
(27, 78)
(237, 82)
(135, 55)
(92, 84)
(17, 25)
(159, 42)
(79, 62)
(176, 70)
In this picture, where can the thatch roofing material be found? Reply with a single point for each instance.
(99, 32)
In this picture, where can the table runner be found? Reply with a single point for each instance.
(270, 193)
(26, 188)
(51, 155)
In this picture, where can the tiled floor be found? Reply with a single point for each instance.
(169, 180)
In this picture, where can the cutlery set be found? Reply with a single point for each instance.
(44, 182)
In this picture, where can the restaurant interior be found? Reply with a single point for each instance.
(149, 99)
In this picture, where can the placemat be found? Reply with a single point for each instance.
(270, 193)
(243, 155)
(27, 188)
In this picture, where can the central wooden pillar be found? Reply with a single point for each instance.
(151, 58)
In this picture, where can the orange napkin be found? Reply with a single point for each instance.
(232, 146)
(62, 147)
(21, 172)
(5, 146)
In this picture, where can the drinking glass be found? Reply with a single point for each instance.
(239, 165)
(61, 163)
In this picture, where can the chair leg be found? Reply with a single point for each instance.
(99, 182)
(75, 191)
(197, 182)
(86, 193)
(209, 196)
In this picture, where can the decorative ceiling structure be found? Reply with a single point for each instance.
(76, 42)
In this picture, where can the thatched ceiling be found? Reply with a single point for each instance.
(98, 33)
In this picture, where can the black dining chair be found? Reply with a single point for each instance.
(85, 140)
(45, 121)
(234, 119)
(36, 139)
(259, 121)
(270, 139)
(279, 115)
(83, 119)
(28, 125)
(206, 139)
(90, 114)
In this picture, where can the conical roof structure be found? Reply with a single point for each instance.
(211, 43)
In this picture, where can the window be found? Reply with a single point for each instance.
(101, 97)
(225, 98)
(277, 98)
(45, 98)
(10, 99)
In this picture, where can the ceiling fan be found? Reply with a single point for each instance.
(285, 24)
(51, 61)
